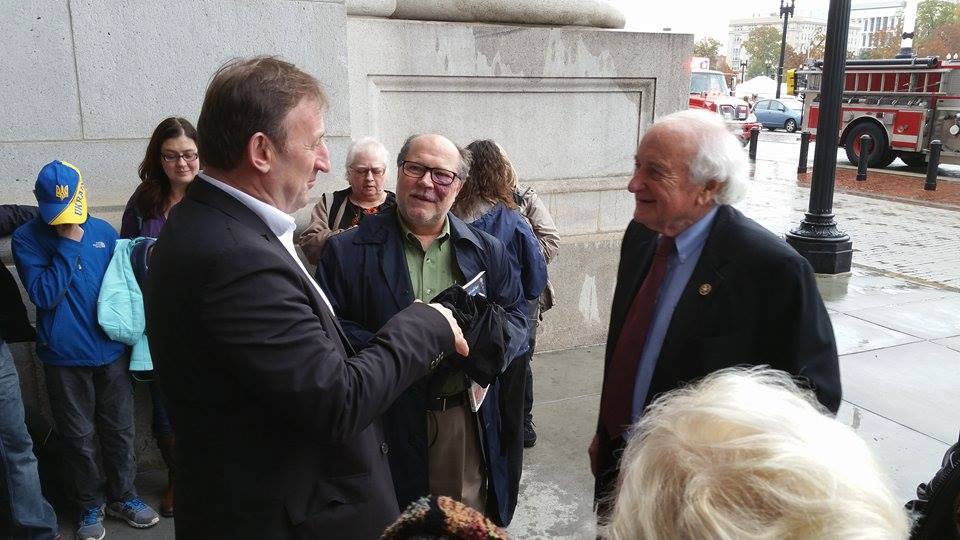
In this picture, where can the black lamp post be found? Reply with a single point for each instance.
(828, 249)
(785, 12)
(743, 67)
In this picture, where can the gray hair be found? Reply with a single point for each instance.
(367, 143)
(720, 155)
(745, 453)
(463, 167)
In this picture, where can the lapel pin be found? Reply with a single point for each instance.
(705, 289)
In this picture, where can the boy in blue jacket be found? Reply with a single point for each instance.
(61, 257)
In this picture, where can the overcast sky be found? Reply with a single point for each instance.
(704, 18)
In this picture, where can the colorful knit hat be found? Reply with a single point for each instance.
(443, 517)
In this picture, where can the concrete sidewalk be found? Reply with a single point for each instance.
(899, 342)
(916, 241)
(900, 348)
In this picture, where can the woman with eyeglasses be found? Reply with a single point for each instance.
(340, 210)
(170, 164)
(168, 167)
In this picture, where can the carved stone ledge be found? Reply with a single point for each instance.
(590, 13)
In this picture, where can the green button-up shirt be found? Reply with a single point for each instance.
(431, 271)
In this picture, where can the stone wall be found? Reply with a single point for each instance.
(87, 80)
(568, 104)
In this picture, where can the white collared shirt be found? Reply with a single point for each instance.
(280, 223)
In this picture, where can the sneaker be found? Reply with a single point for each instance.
(90, 526)
(135, 512)
(529, 434)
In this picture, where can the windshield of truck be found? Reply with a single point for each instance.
(708, 82)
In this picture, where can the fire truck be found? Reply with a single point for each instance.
(902, 104)
(709, 90)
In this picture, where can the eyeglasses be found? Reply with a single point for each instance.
(173, 157)
(441, 177)
(362, 172)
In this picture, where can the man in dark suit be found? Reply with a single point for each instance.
(701, 287)
(277, 417)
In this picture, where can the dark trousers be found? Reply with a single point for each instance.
(89, 404)
(32, 516)
(161, 424)
(512, 383)
(533, 322)
(609, 453)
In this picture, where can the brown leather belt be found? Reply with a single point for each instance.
(443, 403)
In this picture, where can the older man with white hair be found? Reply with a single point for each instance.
(701, 287)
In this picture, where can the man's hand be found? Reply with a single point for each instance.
(71, 231)
(458, 340)
(592, 451)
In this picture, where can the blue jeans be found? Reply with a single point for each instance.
(33, 517)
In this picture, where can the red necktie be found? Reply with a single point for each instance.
(616, 403)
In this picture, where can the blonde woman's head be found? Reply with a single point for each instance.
(746, 454)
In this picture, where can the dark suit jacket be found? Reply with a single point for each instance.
(277, 421)
(366, 272)
(762, 307)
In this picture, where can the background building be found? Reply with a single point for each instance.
(869, 18)
(800, 32)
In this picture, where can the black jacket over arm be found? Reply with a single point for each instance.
(14, 324)
(751, 300)
(277, 423)
(15, 215)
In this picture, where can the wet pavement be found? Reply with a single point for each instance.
(903, 187)
(909, 239)
(783, 146)
(899, 342)
(897, 181)
(897, 322)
